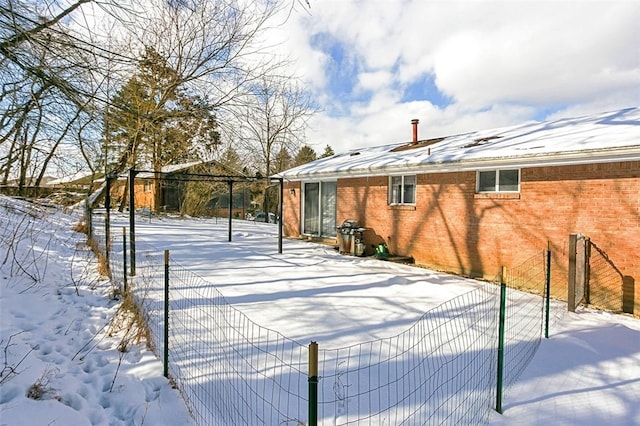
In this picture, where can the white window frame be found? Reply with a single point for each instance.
(402, 190)
(497, 185)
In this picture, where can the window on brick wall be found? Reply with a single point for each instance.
(501, 180)
(402, 190)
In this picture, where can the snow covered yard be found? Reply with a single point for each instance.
(59, 365)
(309, 292)
(587, 373)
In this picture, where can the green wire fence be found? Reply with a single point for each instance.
(452, 366)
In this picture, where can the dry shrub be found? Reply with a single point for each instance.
(103, 265)
(81, 227)
(129, 319)
(41, 389)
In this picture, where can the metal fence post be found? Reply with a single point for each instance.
(230, 184)
(107, 221)
(166, 314)
(587, 270)
(501, 326)
(281, 212)
(313, 384)
(132, 220)
(124, 258)
(547, 291)
(88, 214)
(571, 286)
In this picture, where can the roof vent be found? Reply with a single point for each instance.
(481, 141)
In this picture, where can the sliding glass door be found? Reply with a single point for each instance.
(319, 209)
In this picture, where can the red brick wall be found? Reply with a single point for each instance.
(143, 197)
(453, 229)
(291, 206)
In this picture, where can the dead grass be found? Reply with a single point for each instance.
(129, 321)
(103, 264)
(81, 227)
(41, 389)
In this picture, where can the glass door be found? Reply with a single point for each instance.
(311, 208)
(328, 208)
(319, 209)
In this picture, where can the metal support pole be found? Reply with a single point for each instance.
(587, 270)
(571, 287)
(244, 194)
(313, 384)
(166, 314)
(501, 326)
(107, 220)
(132, 221)
(281, 214)
(124, 258)
(547, 292)
(230, 183)
(87, 214)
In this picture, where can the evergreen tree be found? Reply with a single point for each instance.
(232, 161)
(282, 161)
(306, 154)
(328, 152)
(152, 122)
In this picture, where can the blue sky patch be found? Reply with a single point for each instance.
(424, 88)
(543, 113)
(341, 72)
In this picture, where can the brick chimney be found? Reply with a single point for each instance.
(414, 123)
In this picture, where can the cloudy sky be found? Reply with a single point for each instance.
(457, 66)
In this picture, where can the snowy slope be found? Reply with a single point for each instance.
(55, 314)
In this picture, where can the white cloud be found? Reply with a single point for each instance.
(546, 55)
(393, 123)
(374, 80)
(500, 62)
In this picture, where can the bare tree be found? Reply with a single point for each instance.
(271, 124)
(273, 120)
(48, 98)
(52, 50)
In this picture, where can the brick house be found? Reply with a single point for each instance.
(470, 203)
(193, 188)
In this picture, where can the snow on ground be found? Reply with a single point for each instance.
(55, 311)
(308, 292)
(587, 373)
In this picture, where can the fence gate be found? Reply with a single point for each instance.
(579, 248)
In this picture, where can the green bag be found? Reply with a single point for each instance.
(381, 251)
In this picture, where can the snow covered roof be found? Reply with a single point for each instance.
(81, 177)
(172, 168)
(604, 137)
